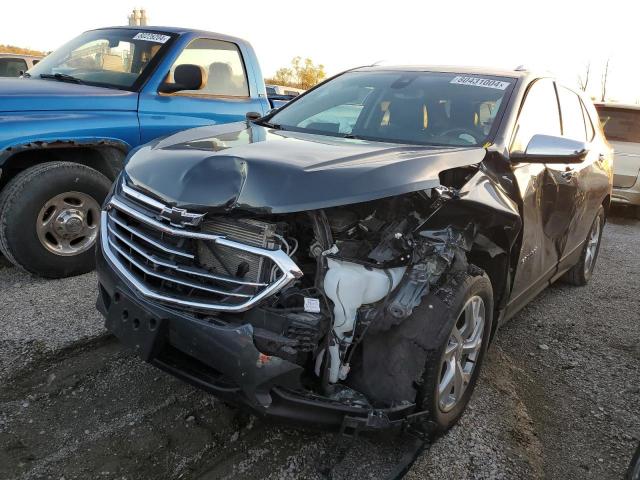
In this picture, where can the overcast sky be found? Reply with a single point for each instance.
(560, 36)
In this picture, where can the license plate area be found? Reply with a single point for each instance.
(139, 330)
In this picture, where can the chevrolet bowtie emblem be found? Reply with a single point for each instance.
(179, 217)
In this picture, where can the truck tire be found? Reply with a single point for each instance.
(417, 360)
(581, 272)
(50, 216)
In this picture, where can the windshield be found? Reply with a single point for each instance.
(427, 108)
(116, 58)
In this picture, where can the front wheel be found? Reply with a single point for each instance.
(49, 218)
(433, 357)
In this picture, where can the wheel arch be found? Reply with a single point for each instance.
(104, 155)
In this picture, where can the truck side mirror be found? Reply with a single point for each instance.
(187, 77)
(550, 149)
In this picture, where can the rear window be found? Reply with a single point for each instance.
(620, 125)
(11, 67)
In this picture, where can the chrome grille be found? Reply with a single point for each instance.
(168, 264)
(229, 260)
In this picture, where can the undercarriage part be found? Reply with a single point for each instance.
(292, 335)
(349, 286)
(413, 287)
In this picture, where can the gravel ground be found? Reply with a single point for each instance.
(559, 396)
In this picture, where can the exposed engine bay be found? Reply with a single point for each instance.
(366, 267)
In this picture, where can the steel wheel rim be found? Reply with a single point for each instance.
(461, 354)
(592, 246)
(68, 223)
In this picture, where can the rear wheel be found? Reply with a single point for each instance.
(49, 218)
(581, 272)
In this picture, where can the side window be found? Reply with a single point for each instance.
(572, 118)
(222, 64)
(11, 67)
(588, 122)
(539, 115)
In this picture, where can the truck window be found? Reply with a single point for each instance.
(539, 115)
(11, 67)
(223, 64)
(620, 125)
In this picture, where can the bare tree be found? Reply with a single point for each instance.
(583, 80)
(605, 76)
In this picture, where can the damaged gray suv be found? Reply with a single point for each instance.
(345, 260)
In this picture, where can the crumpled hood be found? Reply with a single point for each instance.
(256, 169)
(22, 95)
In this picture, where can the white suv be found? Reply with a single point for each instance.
(621, 124)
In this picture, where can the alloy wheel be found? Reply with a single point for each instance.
(461, 354)
(592, 245)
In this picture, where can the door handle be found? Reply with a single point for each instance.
(568, 175)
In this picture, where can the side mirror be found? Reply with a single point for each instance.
(552, 149)
(186, 77)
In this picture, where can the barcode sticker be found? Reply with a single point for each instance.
(152, 37)
(480, 82)
(311, 305)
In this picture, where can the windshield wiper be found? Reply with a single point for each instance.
(26, 75)
(62, 77)
(274, 126)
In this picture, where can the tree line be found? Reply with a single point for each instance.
(303, 73)
(20, 50)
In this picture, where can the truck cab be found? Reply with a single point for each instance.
(71, 120)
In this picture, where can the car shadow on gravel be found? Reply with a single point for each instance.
(95, 410)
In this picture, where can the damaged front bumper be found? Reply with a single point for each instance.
(224, 361)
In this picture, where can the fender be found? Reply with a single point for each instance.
(24, 131)
(26, 135)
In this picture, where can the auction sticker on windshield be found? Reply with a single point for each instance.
(152, 37)
(480, 82)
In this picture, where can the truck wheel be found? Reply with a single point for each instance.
(434, 356)
(49, 218)
(581, 272)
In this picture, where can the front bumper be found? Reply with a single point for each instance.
(224, 361)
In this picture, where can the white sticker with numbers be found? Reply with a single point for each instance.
(152, 37)
(480, 82)
(311, 305)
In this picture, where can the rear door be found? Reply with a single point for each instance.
(578, 181)
(225, 98)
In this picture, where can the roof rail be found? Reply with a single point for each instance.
(520, 68)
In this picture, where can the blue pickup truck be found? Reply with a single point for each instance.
(70, 121)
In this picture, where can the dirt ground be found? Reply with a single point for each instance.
(559, 396)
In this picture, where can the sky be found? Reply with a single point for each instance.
(559, 36)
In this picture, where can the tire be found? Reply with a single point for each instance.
(406, 362)
(22, 206)
(581, 272)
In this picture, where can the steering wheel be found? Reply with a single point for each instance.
(456, 132)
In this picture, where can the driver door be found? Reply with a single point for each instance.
(546, 213)
(225, 97)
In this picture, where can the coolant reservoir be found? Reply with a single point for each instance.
(350, 286)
